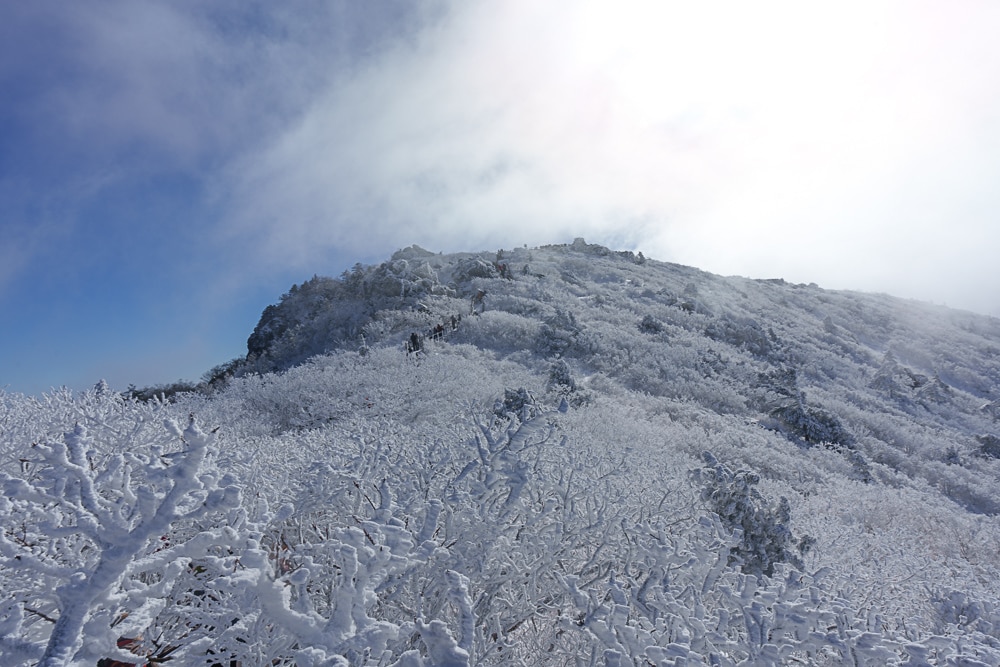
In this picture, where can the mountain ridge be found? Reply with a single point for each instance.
(327, 314)
(817, 366)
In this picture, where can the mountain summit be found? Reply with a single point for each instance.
(804, 361)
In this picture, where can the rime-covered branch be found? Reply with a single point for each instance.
(92, 524)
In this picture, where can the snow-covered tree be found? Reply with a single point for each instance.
(93, 543)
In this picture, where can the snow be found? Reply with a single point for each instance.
(531, 491)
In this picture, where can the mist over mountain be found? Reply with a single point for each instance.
(555, 455)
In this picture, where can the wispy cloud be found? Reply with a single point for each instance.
(119, 96)
(777, 137)
(772, 138)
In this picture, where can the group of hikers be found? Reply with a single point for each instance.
(415, 343)
(504, 270)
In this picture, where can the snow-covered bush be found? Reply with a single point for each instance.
(563, 385)
(517, 403)
(746, 334)
(93, 543)
(650, 325)
(764, 534)
(958, 610)
(500, 331)
(560, 376)
(812, 425)
(558, 333)
(989, 445)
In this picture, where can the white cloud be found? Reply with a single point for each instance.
(843, 144)
(790, 136)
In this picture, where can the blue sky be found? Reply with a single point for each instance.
(167, 169)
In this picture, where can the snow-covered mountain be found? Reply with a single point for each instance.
(555, 455)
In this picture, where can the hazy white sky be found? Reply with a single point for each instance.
(169, 168)
(854, 144)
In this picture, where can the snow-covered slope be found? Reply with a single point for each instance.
(900, 383)
(596, 459)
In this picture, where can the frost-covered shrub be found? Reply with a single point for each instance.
(558, 333)
(163, 392)
(560, 376)
(957, 608)
(518, 403)
(935, 391)
(515, 304)
(781, 381)
(650, 325)
(765, 537)
(989, 445)
(499, 331)
(746, 334)
(859, 464)
(564, 386)
(93, 544)
(952, 456)
(812, 425)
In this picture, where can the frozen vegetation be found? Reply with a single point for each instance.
(595, 459)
